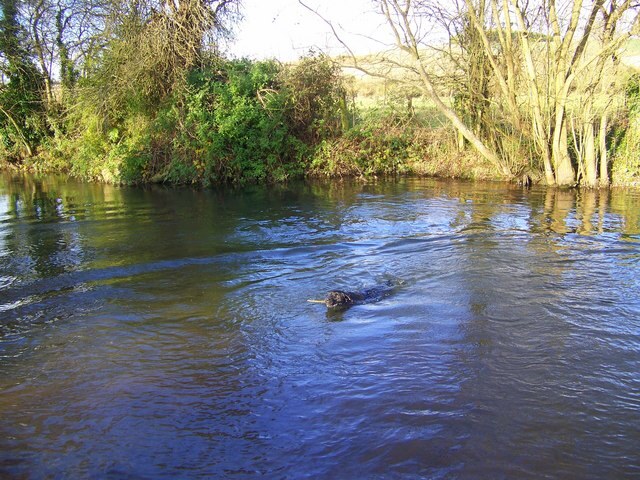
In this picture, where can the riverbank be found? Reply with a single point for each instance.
(359, 154)
(425, 154)
(240, 121)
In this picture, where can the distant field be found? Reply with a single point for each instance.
(424, 111)
(377, 96)
(631, 55)
(633, 48)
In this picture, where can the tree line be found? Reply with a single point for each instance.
(540, 80)
(138, 91)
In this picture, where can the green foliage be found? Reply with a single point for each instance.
(228, 126)
(231, 122)
(22, 115)
(626, 137)
(633, 95)
(316, 98)
(392, 145)
(365, 150)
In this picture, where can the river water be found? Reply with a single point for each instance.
(158, 333)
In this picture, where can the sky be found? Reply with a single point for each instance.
(285, 30)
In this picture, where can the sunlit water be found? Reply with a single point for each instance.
(165, 333)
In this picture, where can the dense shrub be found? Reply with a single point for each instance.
(315, 99)
(232, 121)
(626, 161)
(229, 127)
(363, 151)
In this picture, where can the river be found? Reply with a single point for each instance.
(165, 333)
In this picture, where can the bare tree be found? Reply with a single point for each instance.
(538, 72)
(62, 32)
(409, 24)
(554, 51)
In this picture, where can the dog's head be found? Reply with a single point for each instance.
(338, 298)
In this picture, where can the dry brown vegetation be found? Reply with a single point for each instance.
(543, 80)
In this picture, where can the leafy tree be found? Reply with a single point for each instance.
(22, 123)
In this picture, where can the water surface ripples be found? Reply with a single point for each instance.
(166, 334)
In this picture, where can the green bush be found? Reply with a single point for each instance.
(626, 139)
(315, 99)
(364, 151)
(231, 127)
(22, 113)
(231, 122)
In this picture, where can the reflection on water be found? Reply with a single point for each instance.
(157, 333)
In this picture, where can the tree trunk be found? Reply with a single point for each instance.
(402, 27)
(39, 49)
(602, 136)
(565, 175)
(591, 171)
(465, 131)
(539, 131)
(19, 131)
(542, 142)
(344, 114)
